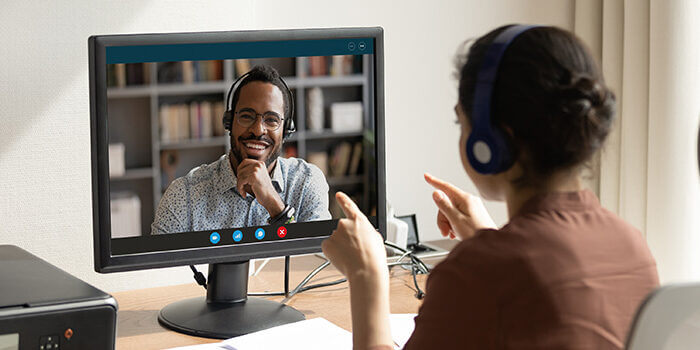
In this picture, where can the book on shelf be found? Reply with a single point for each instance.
(315, 118)
(134, 74)
(340, 159)
(242, 66)
(128, 74)
(336, 66)
(174, 122)
(341, 65)
(217, 118)
(196, 120)
(319, 159)
(120, 74)
(116, 159)
(206, 125)
(188, 72)
(318, 65)
(354, 165)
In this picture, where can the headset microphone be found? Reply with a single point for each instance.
(487, 147)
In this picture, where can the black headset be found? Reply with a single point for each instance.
(289, 127)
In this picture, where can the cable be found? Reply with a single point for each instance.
(416, 264)
(199, 277)
(286, 276)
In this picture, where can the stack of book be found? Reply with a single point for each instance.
(129, 74)
(190, 71)
(196, 120)
(343, 160)
(332, 65)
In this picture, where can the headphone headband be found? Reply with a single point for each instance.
(487, 148)
(289, 127)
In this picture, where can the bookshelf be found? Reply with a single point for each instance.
(151, 163)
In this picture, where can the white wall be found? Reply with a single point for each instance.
(45, 193)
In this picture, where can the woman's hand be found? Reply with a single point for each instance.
(460, 214)
(355, 248)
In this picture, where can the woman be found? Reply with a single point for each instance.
(563, 272)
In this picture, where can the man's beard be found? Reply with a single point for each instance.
(274, 153)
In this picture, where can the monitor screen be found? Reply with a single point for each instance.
(226, 146)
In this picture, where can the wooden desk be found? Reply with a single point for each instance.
(137, 318)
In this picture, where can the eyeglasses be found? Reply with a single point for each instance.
(247, 117)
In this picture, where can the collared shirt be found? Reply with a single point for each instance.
(207, 199)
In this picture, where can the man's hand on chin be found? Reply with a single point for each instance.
(253, 176)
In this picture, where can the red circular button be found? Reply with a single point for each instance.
(281, 231)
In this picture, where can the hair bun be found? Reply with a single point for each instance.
(584, 97)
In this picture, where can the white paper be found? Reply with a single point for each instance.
(317, 333)
(401, 328)
(313, 334)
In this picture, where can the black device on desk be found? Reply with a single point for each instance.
(413, 243)
(43, 307)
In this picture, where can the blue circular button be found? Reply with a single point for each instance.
(237, 235)
(259, 234)
(214, 238)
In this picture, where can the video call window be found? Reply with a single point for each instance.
(168, 146)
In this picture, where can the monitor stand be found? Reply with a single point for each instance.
(226, 311)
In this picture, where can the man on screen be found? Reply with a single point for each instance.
(251, 185)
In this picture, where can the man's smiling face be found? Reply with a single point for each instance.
(259, 100)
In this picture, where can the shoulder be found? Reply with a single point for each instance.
(205, 173)
(298, 167)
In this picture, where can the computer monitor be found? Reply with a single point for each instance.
(221, 147)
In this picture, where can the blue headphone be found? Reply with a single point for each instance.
(487, 148)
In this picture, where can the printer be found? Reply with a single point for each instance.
(44, 308)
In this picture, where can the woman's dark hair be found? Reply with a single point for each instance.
(549, 98)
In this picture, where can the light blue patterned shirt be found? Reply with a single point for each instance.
(207, 199)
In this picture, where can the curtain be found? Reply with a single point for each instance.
(649, 51)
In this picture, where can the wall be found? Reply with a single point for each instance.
(45, 193)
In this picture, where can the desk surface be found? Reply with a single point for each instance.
(137, 318)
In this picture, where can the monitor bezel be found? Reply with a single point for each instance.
(104, 261)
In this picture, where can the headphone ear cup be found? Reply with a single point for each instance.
(289, 129)
(227, 120)
(487, 154)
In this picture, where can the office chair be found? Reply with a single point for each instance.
(668, 319)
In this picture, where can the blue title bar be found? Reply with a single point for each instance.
(233, 50)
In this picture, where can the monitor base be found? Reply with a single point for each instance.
(221, 320)
(226, 312)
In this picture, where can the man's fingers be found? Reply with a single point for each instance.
(349, 207)
(450, 189)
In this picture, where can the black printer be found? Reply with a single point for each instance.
(42, 307)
